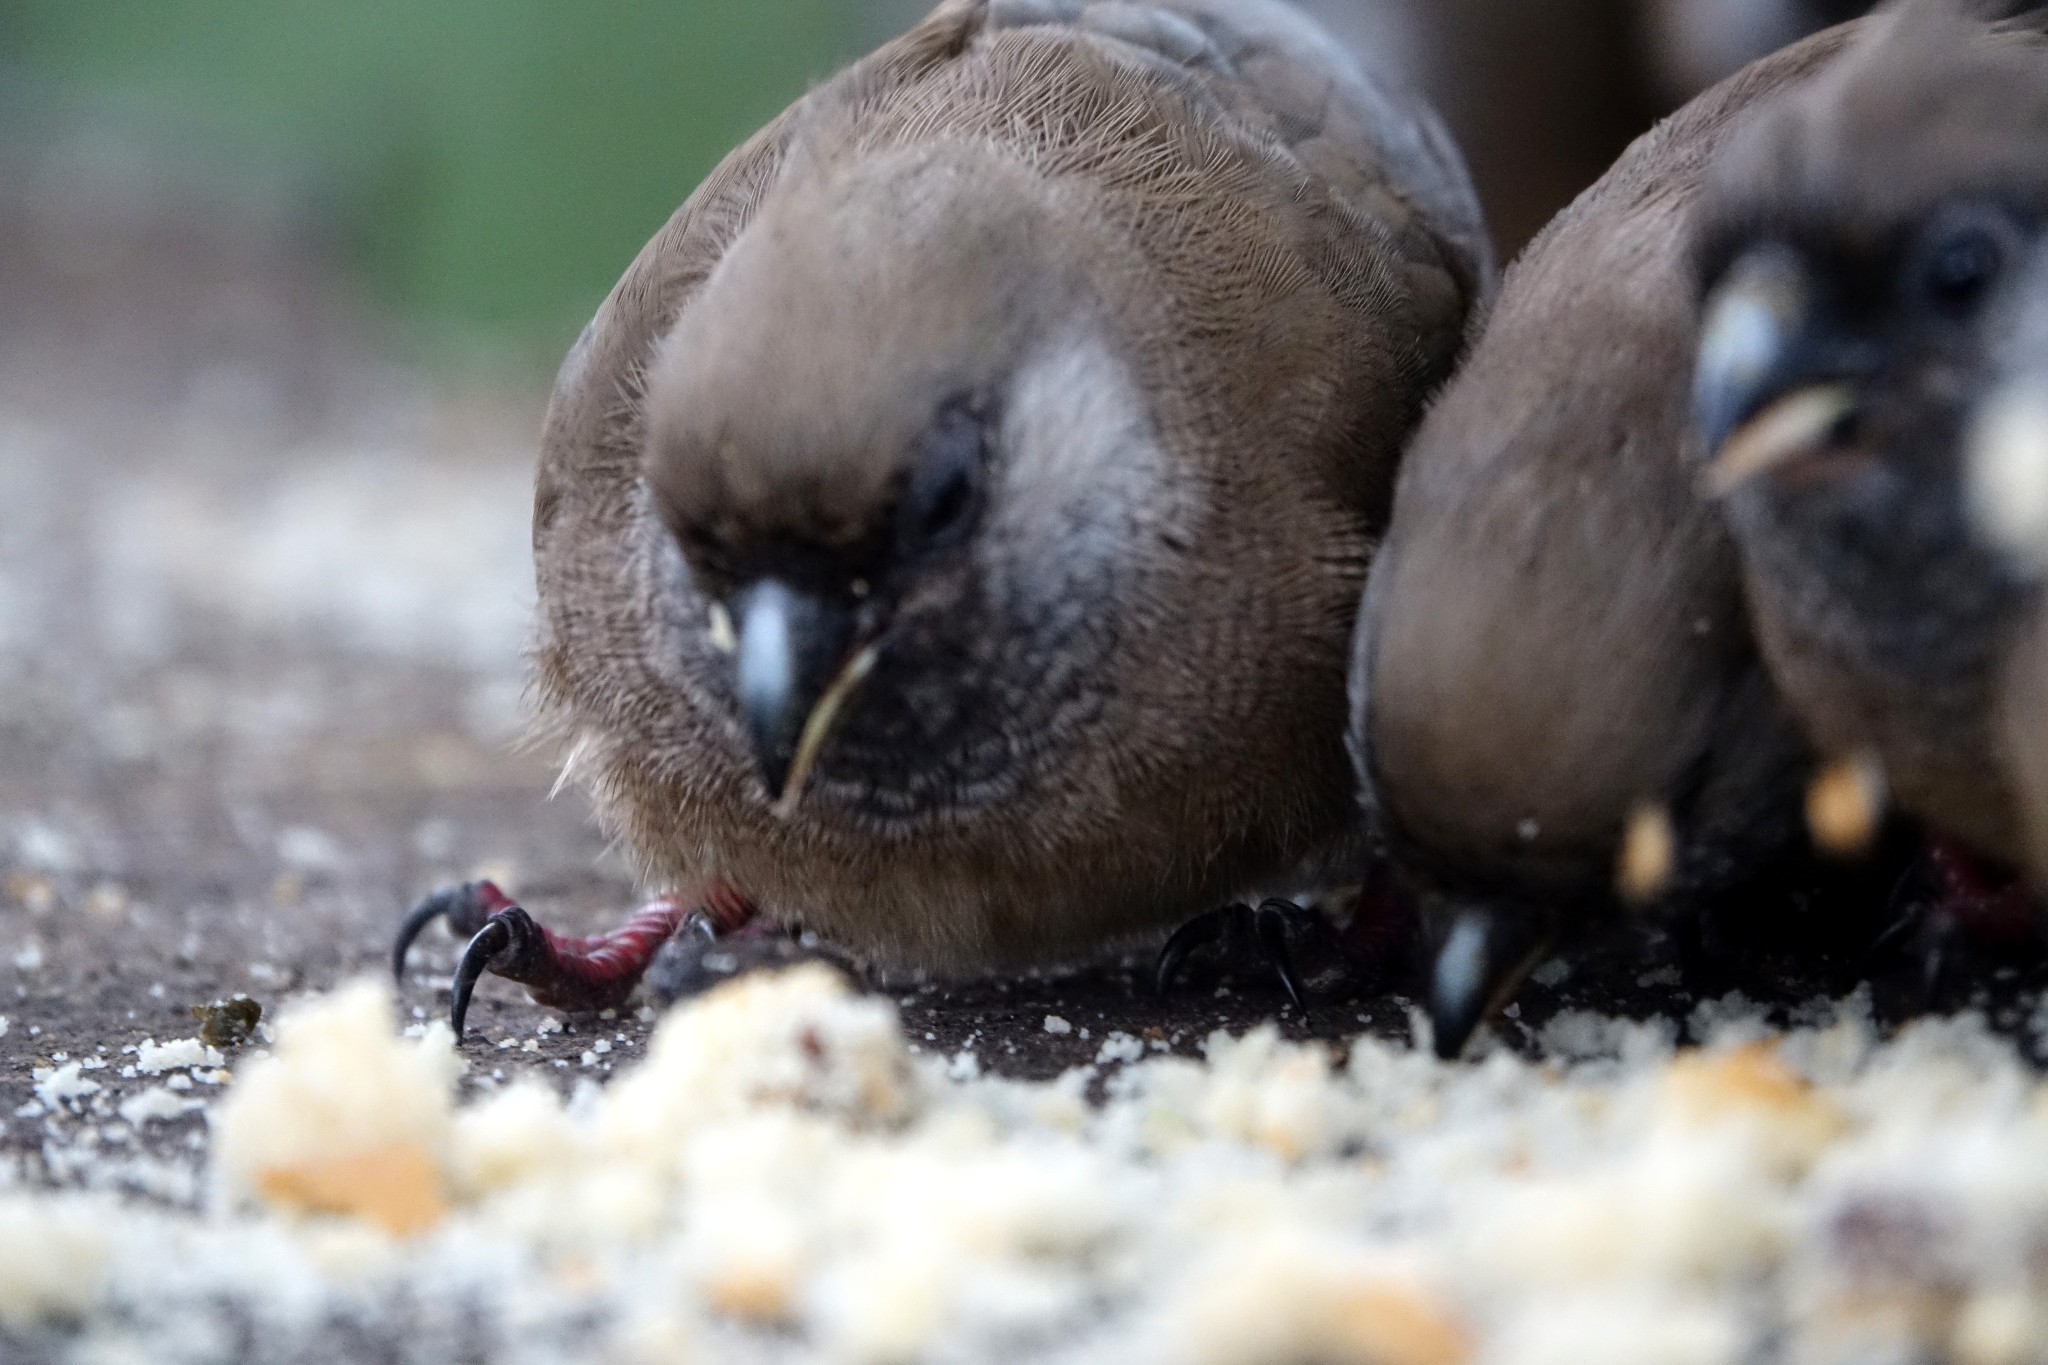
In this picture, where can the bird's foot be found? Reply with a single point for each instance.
(1975, 913)
(1267, 926)
(1480, 958)
(1381, 940)
(560, 970)
(691, 963)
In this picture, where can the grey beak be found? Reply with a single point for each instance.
(790, 646)
(1481, 957)
(1750, 340)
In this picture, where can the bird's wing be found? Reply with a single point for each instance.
(1377, 146)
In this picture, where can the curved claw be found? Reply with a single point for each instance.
(465, 907)
(504, 939)
(1201, 930)
(1270, 923)
(440, 903)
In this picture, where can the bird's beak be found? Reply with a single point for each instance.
(797, 660)
(1481, 955)
(1762, 392)
(1788, 427)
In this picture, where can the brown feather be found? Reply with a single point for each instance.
(1272, 253)
(1554, 635)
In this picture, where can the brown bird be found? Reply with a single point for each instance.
(948, 532)
(1858, 250)
(1554, 672)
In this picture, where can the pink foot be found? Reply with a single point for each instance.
(564, 972)
(1979, 911)
(1984, 902)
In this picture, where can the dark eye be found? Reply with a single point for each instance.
(944, 493)
(1961, 256)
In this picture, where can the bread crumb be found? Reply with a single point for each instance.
(53, 1256)
(156, 1104)
(778, 1178)
(397, 1187)
(1845, 805)
(60, 1087)
(340, 1104)
(153, 1058)
(1291, 1297)
(1648, 851)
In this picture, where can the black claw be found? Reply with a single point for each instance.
(506, 939)
(683, 965)
(457, 904)
(1905, 912)
(1267, 926)
(416, 919)
(1479, 963)
(1269, 921)
(1934, 946)
(1201, 930)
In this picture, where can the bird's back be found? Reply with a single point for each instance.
(1555, 623)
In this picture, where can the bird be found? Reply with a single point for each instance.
(1857, 253)
(1557, 702)
(948, 532)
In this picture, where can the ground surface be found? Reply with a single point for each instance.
(263, 598)
(262, 605)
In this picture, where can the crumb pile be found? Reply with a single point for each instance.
(783, 1179)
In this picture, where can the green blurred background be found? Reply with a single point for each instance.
(488, 167)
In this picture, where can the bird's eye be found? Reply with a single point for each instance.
(944, 494)
(1961, 256)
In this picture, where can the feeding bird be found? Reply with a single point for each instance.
(1556, 697)
(948, 532)
(1859, 248)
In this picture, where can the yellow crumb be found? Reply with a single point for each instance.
(1396, 1325)
(1752, 1076)
(1845, 805)
(1753, 1082)
(395, 1187)
(1648, 853)
(751, 1293)
(342, 1105)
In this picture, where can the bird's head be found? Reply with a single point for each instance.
(899, 451)
(1856, 248)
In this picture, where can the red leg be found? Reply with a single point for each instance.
(1977, 911)
(559, 970)
(1984, 902)
(1382, 936)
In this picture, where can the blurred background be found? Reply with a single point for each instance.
(484, 168)
(281, 284)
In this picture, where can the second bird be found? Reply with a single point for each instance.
(1555, 674)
